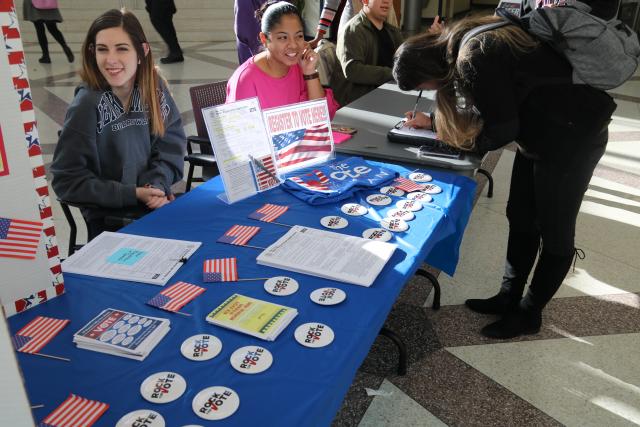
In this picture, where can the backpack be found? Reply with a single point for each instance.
(603, 54)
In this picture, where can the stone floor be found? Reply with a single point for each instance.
(582, 369)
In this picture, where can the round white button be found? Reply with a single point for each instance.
(401, 213)
(141, 417)
(420, 177)
(201, 347)
(215, 403)
(328, 296)
(410, 205)
(432, 189)
(394, 224)
(163, 387)
(377, 234)
(281, 286)
(314, 335)
(334, 222)
(392, 191)
(379, 199)
(420, 196)
(354, 209)
(251, 359)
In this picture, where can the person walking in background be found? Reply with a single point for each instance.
(161, 14)
(47, 17)
(247, 28)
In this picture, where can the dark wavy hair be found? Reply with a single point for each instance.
(270, 14)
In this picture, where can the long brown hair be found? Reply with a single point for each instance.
(436, 57)
(147, 77)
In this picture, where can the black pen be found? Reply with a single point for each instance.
(415, 108)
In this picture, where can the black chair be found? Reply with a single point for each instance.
(203, 96)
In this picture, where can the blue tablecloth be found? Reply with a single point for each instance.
(303, 387)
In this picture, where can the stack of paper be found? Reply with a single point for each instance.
(252, 316)
(329, 255)
(122, 334)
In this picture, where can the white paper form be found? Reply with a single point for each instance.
(327, 254)
(236, 131)
(130, 257)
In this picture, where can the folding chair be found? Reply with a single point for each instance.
(203, 96)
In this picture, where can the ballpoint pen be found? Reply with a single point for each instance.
(415, 108)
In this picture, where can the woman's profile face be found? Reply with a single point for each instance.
(117, 58)
(285, 42)
(429, 85)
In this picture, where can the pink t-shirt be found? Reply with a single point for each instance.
(249, 81)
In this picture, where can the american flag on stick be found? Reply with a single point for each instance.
(37, 333)
(407, 185)
(221, 270)
(269, 212)
(301, 145)
(75, 411)
(18, 238)
(176, 296)
(239, 235)
(266, 179)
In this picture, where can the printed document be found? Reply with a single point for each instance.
(130, 257)
(327, 254)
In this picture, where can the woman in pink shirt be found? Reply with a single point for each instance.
(285, 72)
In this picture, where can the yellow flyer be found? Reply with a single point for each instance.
(252, 316)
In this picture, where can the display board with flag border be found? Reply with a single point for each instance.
(33, 280)
(300, 134)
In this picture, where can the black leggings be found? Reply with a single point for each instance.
(52, 26)
(545, 195)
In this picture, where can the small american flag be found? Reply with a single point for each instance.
(18, 238)
(221, 270)
(239, 235)
(315, 180)
(268, 212)
(75, 411)
(266, 181)
(37, 333)
(407, 185)
(176, 296)
(302, 144)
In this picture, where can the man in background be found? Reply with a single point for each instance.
(365, 49)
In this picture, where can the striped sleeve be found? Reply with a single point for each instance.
(328, 13)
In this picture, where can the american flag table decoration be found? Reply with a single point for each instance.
(239, 235)
(407, 185)
(75, 411)
(221, 270)
(265, 178)
(315, 181)
(19, 239)
(37, 333)
(269, 212)
(301, 145)
(176, 296)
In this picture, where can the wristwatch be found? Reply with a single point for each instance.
(313, 76)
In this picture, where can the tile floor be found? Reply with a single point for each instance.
(582, 369)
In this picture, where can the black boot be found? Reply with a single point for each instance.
(45, 59)
(522, 249)
(513, 324)
(550, 272)
(172, 58)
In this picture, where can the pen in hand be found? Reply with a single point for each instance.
(415, 107)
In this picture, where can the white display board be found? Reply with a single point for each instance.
(29, 261)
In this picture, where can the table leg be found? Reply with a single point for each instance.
(436, 286)
(402, 349)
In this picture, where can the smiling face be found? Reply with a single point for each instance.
(117, 60)
(285, 42)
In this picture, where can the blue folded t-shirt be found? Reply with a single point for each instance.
(337, 180)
